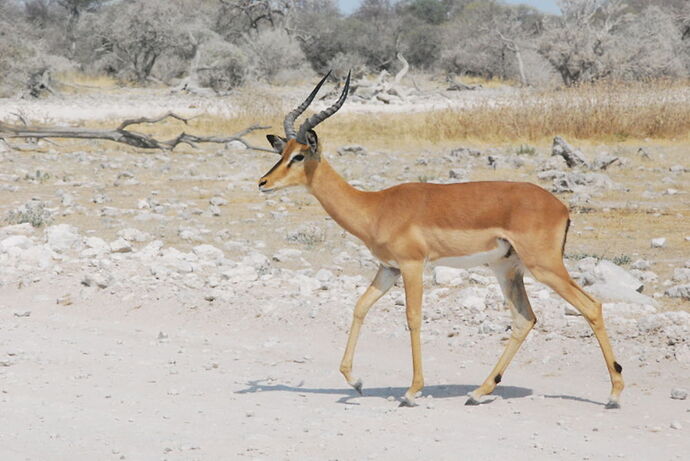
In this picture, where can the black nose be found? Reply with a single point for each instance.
(263, 182)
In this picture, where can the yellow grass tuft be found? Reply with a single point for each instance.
(81, 80)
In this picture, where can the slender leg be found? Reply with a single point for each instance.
(412, 273)
(510, 279)
(384, 280)
(559, 280)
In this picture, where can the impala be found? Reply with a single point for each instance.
(512, 227)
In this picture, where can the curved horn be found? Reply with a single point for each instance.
(289, 122)
(315, 119)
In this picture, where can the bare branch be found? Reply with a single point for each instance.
(121, 135)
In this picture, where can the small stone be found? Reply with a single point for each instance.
(457, 173)
(352, 149)
(120, 246)
(218, 201)
(22, 313)
(641, 264)
(676, 425)
(658, 242)
(678, 393)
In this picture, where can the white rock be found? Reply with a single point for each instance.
(472, 298)
(120, 246)
(449, 276)
(287, 254)
(614, 284)
(626, 310)
(658, 242)
(307, 284)
(258, 261)
(39, 255)
(15, 241)
(241, 273)
(324, 275)
(587, 264)
(662, 321)
(96, 279)
(679, 291)
(681, 274)
(16, 229)
(208, 252)
(96, 243)
(608, 272)
(150, 251)
(678, 393)
(645, 277)
(683, 353)
(62, 237)
(134, 235)
(641, 264)
(218, 201)
(487, 326)
(176, 260)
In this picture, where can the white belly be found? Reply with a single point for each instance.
(476, 259)
(467, 261)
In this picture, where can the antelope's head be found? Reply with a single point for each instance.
(300, 151)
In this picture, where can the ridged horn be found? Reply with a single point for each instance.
(315, 119)
(289, 122)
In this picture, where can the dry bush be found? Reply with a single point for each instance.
(222, 65)
(275, 56)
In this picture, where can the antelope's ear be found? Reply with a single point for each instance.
(276, 142)
(312, 141)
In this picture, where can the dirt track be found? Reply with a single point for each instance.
(101, 380)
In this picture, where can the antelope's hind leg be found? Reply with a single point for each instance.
(384, 280)
(557, 277)
(509, 275)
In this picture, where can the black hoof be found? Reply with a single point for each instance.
(471, 401)
(612, 405)
(358, 387)
(407, 403)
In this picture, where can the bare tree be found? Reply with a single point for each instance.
(579, 42)
(133, 35)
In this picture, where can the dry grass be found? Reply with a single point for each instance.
(494, 82)
(602, 113)
(79, 80)
(598, 113)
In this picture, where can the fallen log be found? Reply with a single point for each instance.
(132, 138)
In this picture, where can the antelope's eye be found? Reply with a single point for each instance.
(297, 158)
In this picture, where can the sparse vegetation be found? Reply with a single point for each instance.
(33, 212)
(160, 42)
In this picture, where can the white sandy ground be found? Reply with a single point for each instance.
(97, 380)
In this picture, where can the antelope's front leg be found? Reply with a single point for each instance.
(413, 279)
(384, 280)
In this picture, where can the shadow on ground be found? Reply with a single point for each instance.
(346, 394)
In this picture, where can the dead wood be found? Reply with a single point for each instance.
(122, 135)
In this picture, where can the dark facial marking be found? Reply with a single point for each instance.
(617, 366)
(274, 167)
(497, 378)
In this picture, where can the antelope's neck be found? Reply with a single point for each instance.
(349, 207)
